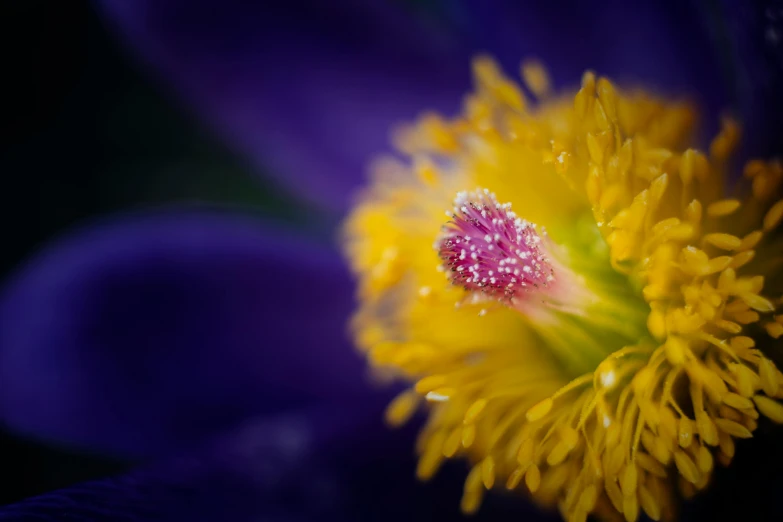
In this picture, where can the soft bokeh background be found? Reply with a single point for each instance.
(86, 132)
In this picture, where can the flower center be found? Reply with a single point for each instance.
(631, 343)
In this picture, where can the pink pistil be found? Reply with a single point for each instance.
(487, 249)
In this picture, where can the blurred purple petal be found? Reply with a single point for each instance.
(661, 44)
(147, 332)
(343, 465)
(336, 465)
(310, 89)
(752, 35)
(307, 89)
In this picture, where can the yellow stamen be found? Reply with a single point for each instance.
(631, 371)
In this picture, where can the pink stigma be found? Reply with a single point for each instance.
(486, 248)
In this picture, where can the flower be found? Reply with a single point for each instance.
(630, 337)
(86, 359)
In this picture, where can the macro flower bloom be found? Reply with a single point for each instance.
(216, 346)
(607, 321)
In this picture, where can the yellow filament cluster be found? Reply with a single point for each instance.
(650, 225)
